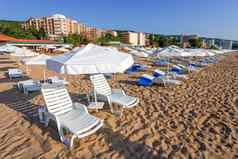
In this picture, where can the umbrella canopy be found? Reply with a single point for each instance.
(37, 60)
(90, 59)
(172, 51)
(8, 48)
(136, 52)
(200, 52)
(23, 52)
(62, 49)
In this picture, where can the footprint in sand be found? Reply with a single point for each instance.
(235, 101)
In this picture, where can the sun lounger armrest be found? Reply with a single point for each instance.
(80, 107)
(118, 91)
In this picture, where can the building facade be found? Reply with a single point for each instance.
(141, 39)
(224, 44)
(56, 26)
(134, 38)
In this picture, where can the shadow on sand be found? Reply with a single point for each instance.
(127, 148)
(4, 69)
(6, 79)
(8, 62)
(20, 102)
(23, 104)
(128, 82)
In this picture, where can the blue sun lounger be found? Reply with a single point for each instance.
(158, 73)
(170, 75)
(135, 68)
(145, 80)
(161, 62)
(177, 69)
(148, 80)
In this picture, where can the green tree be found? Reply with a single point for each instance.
(36, 33)
(173, 41)
(105, 39)
(75, 39)
(14, 29)
(42, 34)
(195, 43)
(154, 40)
(163, 41)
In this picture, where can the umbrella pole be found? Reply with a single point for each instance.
(44, 74)
(27, 71)
(95, 97)
(168, 67)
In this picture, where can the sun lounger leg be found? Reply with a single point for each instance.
(25, 91)
(110, 104)
(122, 112)
(60, 130)
(72, 141)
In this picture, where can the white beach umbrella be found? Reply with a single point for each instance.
(23, 52)
(8, 48)
(136, 52)
(200, 52)
(37, 60)
(91, 59)
(62, 49)
(173, 52)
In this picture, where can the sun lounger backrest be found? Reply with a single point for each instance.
(100, 84)
(56, 98)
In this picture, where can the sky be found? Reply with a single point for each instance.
(210, 18)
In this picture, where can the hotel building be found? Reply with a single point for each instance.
(141, 39)
(56, 26)
(134, 38)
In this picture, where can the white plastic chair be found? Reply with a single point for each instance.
(101, 87)
(15, 73)
(167, 81)
(71, 116)
(58, 80)
(28, 86)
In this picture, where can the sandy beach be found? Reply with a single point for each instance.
(198, 119)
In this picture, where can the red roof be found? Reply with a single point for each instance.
(5, 38)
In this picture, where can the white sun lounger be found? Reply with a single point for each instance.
(71, 116)
(58, 80)
(188, 68)
(167, 81)
(175, 75)
(28, 86)
(15, 73)
(170, 75)
(101, 87)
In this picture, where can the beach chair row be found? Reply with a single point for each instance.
(74, 117)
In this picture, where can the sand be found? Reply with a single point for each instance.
(198, 119)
